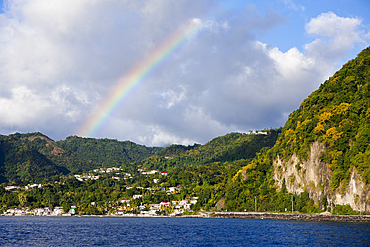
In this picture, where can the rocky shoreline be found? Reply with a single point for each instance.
(285, 216)
(242, 215)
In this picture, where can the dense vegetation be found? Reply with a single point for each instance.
(21, 161)
(106, 152)
(231, 147)
(337, 115)
(213, 184)
(202, 171)
(217, 189)
(34, 157)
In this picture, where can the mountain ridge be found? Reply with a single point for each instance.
(34, 157)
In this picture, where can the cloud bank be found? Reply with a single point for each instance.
(59, 60)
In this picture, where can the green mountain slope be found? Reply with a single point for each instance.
(106, 152)
(176, 149)
(230, 147)
(32, 157)
(21, 162)
(337, 115)
(35, 157)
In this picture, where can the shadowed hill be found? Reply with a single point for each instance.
(106, 152)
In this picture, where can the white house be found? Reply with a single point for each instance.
(33, 186)
(172, 189)
(125, 201)
(183, 202)
(57, 211)
(166, 204)
(12, 187)
(193, 201)
(149, 173)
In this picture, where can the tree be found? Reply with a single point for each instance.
(2, 190)
(22, 197)
(66, 207)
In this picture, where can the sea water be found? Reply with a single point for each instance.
(124, 231)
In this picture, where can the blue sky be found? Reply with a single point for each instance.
(298, 13)
(248, 67)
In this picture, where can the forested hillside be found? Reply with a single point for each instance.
(203, 171)
(22, 158)
(337, 115)
(106, 152)
(34, 157)
(227, 148)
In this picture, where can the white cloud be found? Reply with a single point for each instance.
(170, 98)
(290, 4)
(58, 60)
(337, 35)
(161, 137)
(22, 108)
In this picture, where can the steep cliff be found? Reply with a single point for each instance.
(314, 176)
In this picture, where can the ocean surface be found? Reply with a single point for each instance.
(123, 231)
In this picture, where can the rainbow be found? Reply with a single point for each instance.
(134, 77)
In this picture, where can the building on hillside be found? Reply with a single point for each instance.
(166, 204)
(123, 201)
(33, 186)
(194, 201)
(12, 187)
(172, 189)
(152, 172)
(183, 202)
(86, 177)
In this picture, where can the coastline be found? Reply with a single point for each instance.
(234, 215)
(289, 216)
(237, 215)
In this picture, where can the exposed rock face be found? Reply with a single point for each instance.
(314, 176)
(356, 194)
(221, 204)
